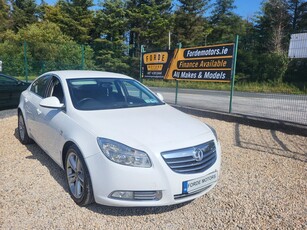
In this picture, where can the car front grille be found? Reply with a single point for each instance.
(195, 159)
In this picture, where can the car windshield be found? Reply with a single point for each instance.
(109, 93)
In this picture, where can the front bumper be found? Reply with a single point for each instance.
(108, 177)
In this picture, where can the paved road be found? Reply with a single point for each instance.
(283, 107)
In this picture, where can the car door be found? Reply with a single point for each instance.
(33, 109)
(17, 90)
(7, 86)
(4, 92)
(51, 121)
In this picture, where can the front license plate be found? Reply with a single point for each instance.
(199, 183)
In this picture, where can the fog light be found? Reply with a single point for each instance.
(123, 195)
(136, 195)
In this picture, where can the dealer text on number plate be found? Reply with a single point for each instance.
(199, 183)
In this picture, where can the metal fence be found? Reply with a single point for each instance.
(290, 108)
(28, 59)
(32, 59)
(282, 107)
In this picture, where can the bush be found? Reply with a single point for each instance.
(272, 67)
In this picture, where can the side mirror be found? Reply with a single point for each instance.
(52, 103)
(20, 83)
(160, 96)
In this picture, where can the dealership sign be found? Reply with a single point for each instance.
(210, 63)
(155, 64)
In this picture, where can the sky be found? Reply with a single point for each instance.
(245, 8)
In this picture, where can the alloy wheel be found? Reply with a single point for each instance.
(21, 127)
(75, 175)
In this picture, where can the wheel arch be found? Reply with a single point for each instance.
(64, 151)
(19, 111)
(90, 198)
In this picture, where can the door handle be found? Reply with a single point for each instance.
(38, 111)
(26, 100)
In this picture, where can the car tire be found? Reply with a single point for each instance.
(78, 178)
(22, 131)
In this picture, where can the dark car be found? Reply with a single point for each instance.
(10, 90)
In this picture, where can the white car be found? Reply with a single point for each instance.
(118, 142)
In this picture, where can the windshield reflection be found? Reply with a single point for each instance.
(109, 93)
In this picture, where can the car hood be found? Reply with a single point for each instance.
(158, 128)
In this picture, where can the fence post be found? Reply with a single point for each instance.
(233, 72)
(43, 67)
(141, 62)
(176, 95)
(82, 57)
(25, 59)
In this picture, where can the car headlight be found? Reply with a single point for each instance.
(123, 154)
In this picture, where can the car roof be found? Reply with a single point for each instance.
(3, 75)
(72, 74)
(10, 77)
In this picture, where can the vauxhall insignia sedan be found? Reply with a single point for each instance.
(118, 142)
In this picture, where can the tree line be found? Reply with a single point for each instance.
(111, 34)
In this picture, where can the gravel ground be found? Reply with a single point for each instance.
(7, 113)
(263, 186)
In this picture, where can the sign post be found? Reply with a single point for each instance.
(26, 60)
(82, 57)
(176, 95)
(141, 62)
(233, 74)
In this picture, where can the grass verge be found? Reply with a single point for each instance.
(258, 87)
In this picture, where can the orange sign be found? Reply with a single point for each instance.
(210, 63)
(156, 64)
(157, 57)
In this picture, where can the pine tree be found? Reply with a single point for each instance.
(222, 9)
(23, 13)
(74, 18)
(298, 14)
(274, 26)
(109, 43)
(301, 22)
(149, 24)
(4, 16)
(225, 23)
(189, 22)
(41, 10)
(293, 9)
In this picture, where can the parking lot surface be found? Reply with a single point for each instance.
(263, 185)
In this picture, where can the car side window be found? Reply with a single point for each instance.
(56, 89)
(39, 86)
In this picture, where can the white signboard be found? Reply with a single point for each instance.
(298, 46)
